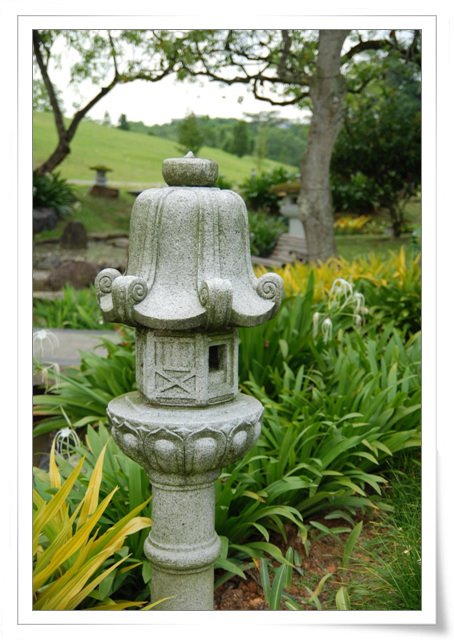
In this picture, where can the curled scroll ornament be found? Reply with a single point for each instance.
(271, 287)
(127, 291)
(103, 287)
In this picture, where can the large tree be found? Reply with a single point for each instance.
(380, 143)
(102, 58)
(307, 68)
(190, 137)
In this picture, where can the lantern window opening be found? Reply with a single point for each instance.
(217, 354)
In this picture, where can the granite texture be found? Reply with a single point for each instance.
(174, 444)
(187, 368)
(183, 451)
(189, 263)
(189, 283)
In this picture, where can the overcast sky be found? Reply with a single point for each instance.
(160, 102)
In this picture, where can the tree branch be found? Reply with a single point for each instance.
(113, 52)
(83, 112)
(365, 45)
(58, 115)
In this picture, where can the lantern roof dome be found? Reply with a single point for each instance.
(189, 264)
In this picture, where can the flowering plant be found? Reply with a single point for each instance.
(343, 302)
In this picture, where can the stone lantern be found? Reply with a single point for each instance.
(289, 207)
(101, 174)
(188, 286)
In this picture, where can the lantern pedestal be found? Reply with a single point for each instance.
(183, 452)
(188, 286)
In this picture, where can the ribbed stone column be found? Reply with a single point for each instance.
(183, 545)
(188, 285)
(183, 452)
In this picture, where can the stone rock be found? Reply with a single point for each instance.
(100, 191)
(74, 236)
(44, 219)
(45, 261)
(39, 280)
(76, 273)
(121, 243)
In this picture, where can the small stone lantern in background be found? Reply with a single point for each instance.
(100, 187)
(188, 286)
(101, 174)
(289, 208)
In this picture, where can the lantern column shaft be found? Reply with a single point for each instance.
(183, 544)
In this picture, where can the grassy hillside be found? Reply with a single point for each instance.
(134, 157)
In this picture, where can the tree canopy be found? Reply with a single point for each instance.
(315, 69)
(309, 68)
(104, 59)
(380, 143)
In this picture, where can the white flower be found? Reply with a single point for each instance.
(65, 439)
(42, 337)
(358, 320)
(50, 371)
(358, 300)
(340, 288)
(327, 329)
(315, 323)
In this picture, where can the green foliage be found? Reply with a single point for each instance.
(285, 140)
(190, 137)
(50, 190)
(385, 570)
(400, 302)
(358, 194)
(77, 558)
(246, 506)
(328, 429)
(123, 123)
(77, 309)
(85, 393)
(238, 143)
(264, 231)
(273, 587)
(134, 156)
(256, 189)
(377, 156)
(223, 183)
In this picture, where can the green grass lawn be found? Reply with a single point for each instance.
(350, 247)
(134, 157)
(99, 215)
(137, 158)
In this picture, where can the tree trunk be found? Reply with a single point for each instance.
(57, 156)
(327, 92)
(65, 134)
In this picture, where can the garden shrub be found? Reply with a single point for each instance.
(391, 287)
(351, 225)
(84, 393)
(264, 232)
(77, 309)
(358, 194)
(256, 189)
(341, 398)
(80, 557)
(223, 183)
(50, 190)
